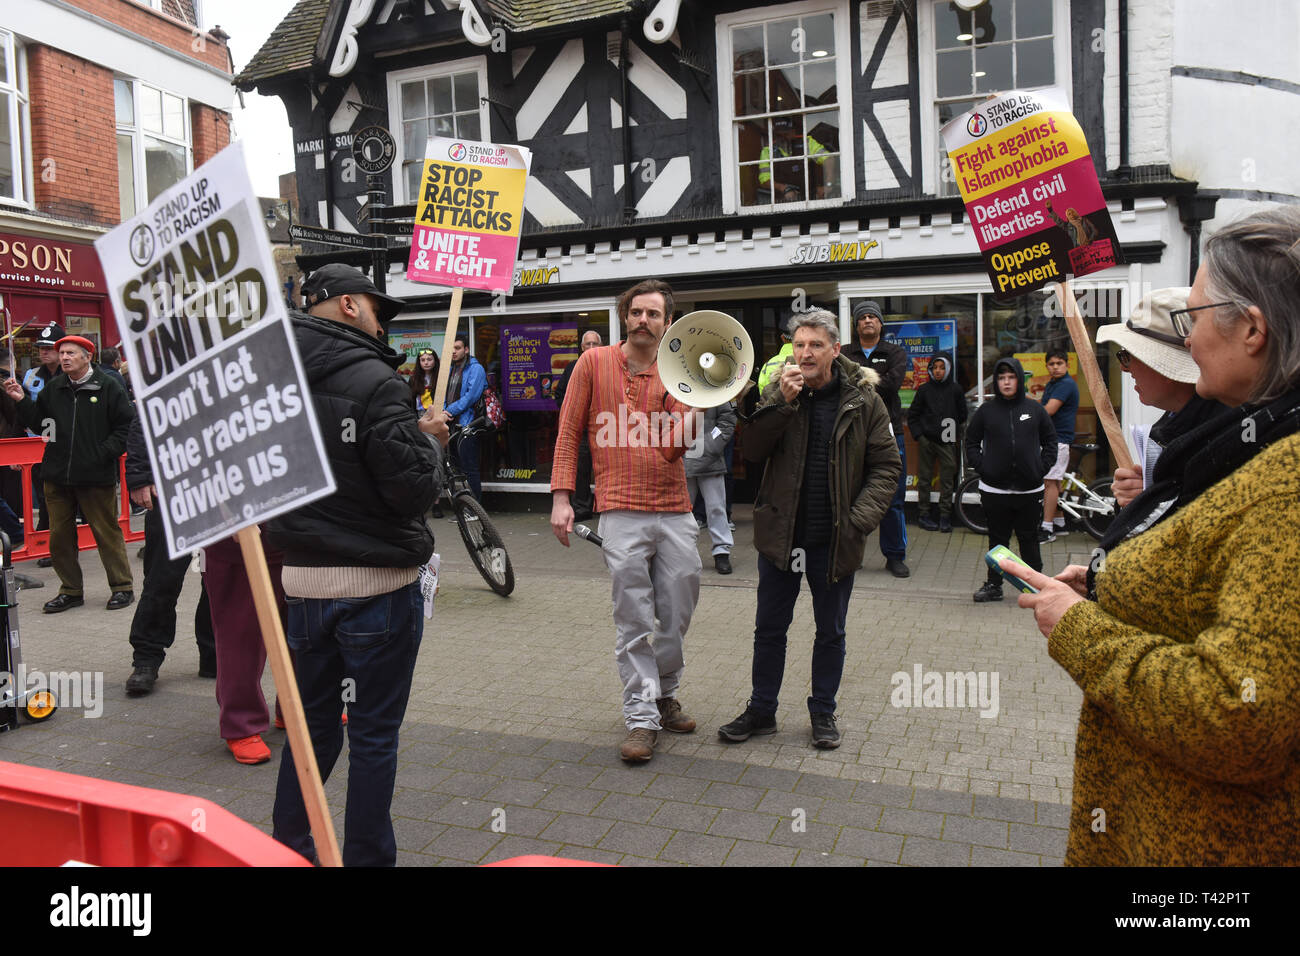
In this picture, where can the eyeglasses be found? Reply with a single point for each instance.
(1125, 357)
(1183, 319)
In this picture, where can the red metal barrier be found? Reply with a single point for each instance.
(26, 452)
(49, 818)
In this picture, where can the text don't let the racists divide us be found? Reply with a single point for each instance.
(1031, 192)
(468, 215)
(231, 430)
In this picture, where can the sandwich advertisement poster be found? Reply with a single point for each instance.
(1031, 191)
(468, 215)
(533, 358)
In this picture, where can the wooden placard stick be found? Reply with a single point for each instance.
(448, 340)
(286, 688)
(1092, 374)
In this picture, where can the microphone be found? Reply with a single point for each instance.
(586, 534)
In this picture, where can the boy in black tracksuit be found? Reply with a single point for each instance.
(935, 418)
(1011, 443)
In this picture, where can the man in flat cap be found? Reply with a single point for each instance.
(85, 416)
(352, 560)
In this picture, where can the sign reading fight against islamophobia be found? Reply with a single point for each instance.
(468, 215)
(231, 430)
(1031, 191)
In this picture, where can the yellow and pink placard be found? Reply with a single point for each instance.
(468, 215)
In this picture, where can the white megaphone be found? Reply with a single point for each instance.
(705, 358)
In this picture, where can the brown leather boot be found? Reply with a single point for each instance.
(639, 746)
(672, 718)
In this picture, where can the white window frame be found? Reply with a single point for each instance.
(726, 102)
(930, 140)
(472, 64)
(138, 133)
(20, 124)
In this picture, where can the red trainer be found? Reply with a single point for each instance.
(250, 749)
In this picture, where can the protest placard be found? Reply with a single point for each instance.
(468, 215)
(1031, 191)
(230, 426)
(231, 430)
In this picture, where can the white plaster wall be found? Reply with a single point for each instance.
(894, 115)
(1252, 36)
(1233, 136)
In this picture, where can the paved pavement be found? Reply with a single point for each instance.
(510, 741)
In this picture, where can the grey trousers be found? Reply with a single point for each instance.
(654, 564)
(714, 489)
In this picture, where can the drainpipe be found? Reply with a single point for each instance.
(1124, 172)
(629, 206)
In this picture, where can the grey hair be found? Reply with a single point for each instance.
(816, 319)
(1256, 261)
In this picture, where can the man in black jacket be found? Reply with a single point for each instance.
(935, 417)
(890, 362)
(85, 416)
(352, 561)
(153, 629)
(1011, 444)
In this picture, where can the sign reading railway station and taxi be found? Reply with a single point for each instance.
(231, 430)
(468, 215)
(1031, 191)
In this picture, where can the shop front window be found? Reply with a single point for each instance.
(526, 357)
(1033, 325)
(447, 102)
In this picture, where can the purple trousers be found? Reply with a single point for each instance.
(241, 652)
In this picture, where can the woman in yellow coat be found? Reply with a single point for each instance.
(1188, 653)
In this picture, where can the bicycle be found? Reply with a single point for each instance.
(1092, 505)
(482, 540)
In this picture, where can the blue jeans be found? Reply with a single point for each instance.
(777, 592)
(372, 642)
(893, 527)
(467, 458)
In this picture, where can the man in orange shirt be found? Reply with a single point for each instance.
(638, 434)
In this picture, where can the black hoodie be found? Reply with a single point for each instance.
(1010, 442)
(935, 404)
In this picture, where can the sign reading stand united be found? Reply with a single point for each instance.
(230, 426)
(468, 215)
(1031, 191)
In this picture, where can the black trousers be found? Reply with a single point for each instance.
(1021, 514)
(583, 500)
(153, 629)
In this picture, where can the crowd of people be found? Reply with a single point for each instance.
(1180, 634)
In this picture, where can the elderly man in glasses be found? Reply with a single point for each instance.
(1152, 350)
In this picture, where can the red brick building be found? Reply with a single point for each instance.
(103, 104)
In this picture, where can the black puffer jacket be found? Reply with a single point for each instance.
(387, 471)
(1010, 442)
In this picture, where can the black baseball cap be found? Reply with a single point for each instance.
(335, 279)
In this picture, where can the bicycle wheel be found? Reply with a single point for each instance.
(971, 514)
(482, 540)
(1098, 507)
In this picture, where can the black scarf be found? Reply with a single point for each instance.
(1198, 459)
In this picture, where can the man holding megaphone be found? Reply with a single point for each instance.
(638, 434)
(831, 469)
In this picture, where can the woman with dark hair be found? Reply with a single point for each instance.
(424, 379)
(1188, 746)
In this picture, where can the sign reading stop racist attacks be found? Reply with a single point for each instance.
(1031, 191)
(468, 215)
(231, 429)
